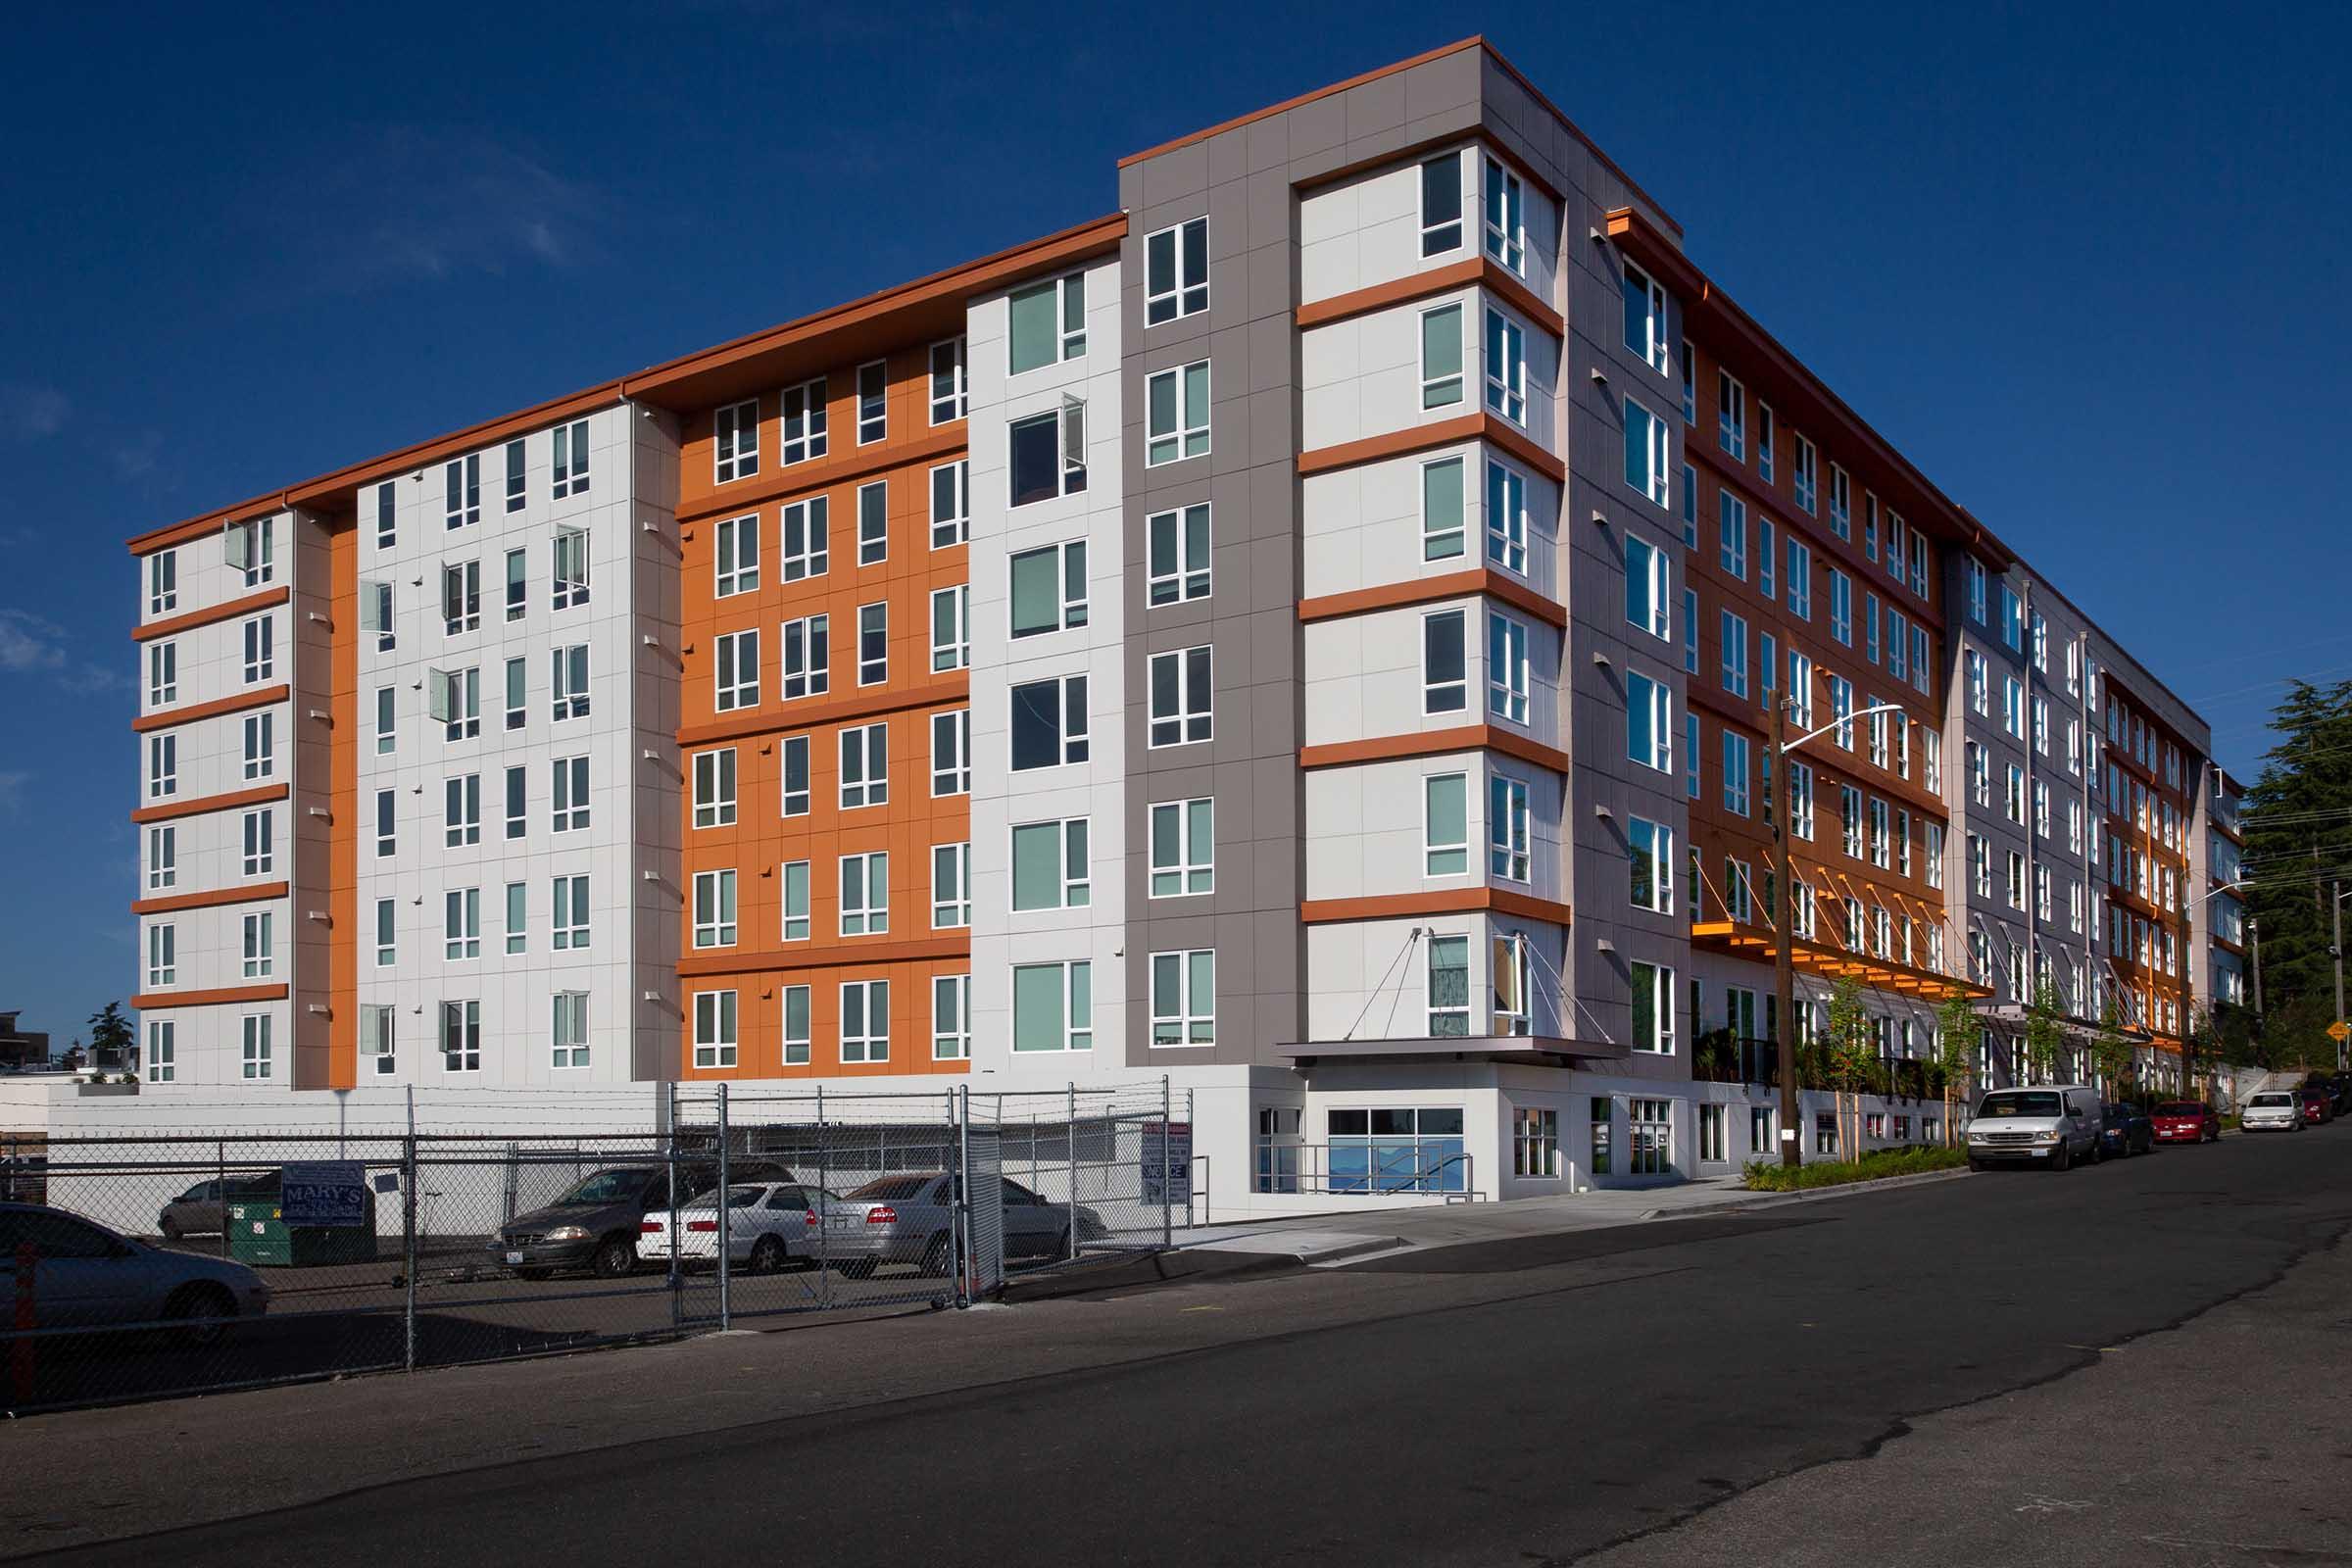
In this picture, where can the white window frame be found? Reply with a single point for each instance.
(865, 758)
(1190, 576)
(735, 441)
(1185, 291)
(1180, 876)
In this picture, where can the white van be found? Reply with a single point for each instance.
(2052, 1126)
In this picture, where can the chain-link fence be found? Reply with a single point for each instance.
(161, 1264)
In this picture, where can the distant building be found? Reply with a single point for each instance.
(20, 1048)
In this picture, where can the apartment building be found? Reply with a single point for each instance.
(2224, 935)
(1313, 634)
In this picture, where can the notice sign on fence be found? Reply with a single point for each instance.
(1167, 1163)
(331, 1192)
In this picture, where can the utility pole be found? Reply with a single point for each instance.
(2335, 946)
(1784, 964)
(2254, 935)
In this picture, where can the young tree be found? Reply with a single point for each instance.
(112, 1038)
(1849, 1053)
(1956, 1030)
(2111, 1051)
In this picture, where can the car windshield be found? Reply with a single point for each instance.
(2272, 1099)
(609, 1186)
(2020, 1102)
(2180, 1107)
(893, 1188)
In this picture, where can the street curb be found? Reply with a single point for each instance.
(1841, 1190)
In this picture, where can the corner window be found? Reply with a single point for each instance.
(1506, 217)
(1645, 319)
(1506, 366)
(1507, 667)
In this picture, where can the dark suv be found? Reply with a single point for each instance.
(594, 1226)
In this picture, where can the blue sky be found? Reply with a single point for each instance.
(2084, 267)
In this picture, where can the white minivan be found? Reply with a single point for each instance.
(2052, 1126)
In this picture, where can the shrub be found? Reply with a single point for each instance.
(1876, 1164)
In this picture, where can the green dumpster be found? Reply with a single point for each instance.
(260, 1236)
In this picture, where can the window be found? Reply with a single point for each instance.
(1507, 667)
(874, 522)
(1444, 825)
(1047, 323)
(1879, 855)
(387, 526)
(1690, 391)
(1048, 454)
(714, 908)
(2012, 619)
(163, 857)
(951, 753)
(1176, 414)
(804, 539)
(951, 504)
(796, 901)
(376, 1039)
(569, 455)
(516, 810)
(1441, 356)
(1506, 217)
(2014, 883)
(1736, 774)
(261, 741)
(1444, 663)
(1767, 553)
(952, 1017)
(1442, 204)
(1690, 631)
(518, 695)
(1689, 508)
(1049, 723)
(864, 765)
(715, 1029)
(1176, 272)
(462, 923)
(1735, 654)
(260, 655)
(1179, 553)
(1731, 414)
(735, 441)
(570, 913)
(259, 953)
(383, 824)
(951, 886)
(1801, 801)
(735, 670)
(1646, 452)
(1507, 837)
(1870, 626)
(1800, 690)
(1506, 517)
(256, 1059)
(460, 598)
(1652, 847)
(163, 673)
(2013, 706)
(518, 917)
(570, 795)
(873, 386)
(250, 548)
(948, 387)
(570, 682)
(162, 766)
(1842, 607)
(1648, 722)
(261, 852)
(1654, 1009)
(462, 810)
(950, 632)
(567, 1032)
(1645, 318)
(1506, 366)
(1184, 998)
(163, 578)
(375, 614)
(1049, 589)
(1053, 1007)
(1183, 848)
(1180, 697)
(1448, 982)
(1803, 472)
(1730, 534)
(1841, 503)
(1647, 587)
(162, 956)
(807, 658)
(1050, 869)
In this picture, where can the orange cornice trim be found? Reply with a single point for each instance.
(157, 1001)
(210, 897)
(956, 688)
(736, 499)
(1094, 237)
(1427, 437)
(198, 805)
(229, 611)
(850, 955)
(258, 697)
(1483, 271)
(1435, 743)
(1439, 900)
(1429, 589)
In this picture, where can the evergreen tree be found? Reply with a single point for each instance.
(2297, 823)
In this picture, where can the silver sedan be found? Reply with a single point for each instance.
(86, 1276)
(906, 1219)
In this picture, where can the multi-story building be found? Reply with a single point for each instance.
(2223, 932)
(1313, 634)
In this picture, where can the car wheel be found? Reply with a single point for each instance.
(616, 1256)
(2061, 1157)
(934, 1257)
(1975, 1164)
(768, 1255)
(202, 1300)
(169, 1230)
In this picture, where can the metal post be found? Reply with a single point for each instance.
(1784, 961)
(1069, 1142)
(677, 1292)
(407, 1234)
(726, 1214)
(1167, 1160)
(824, 1209)
(959, 1220)
(220, 1173)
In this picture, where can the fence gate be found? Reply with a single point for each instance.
(984, 1217)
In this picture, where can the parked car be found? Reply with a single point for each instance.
(904, 1219)
(595, 1225)
(2318, 1110)
(2053, 1127)
(2339, 1091)
(2272, 1110)
(86, 1276)
(2123, 1131)
(769, 1225)
(203, 1208)
(2186, 1121)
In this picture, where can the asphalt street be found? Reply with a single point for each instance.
(1527, 1400)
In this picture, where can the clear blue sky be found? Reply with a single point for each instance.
(2086, 268)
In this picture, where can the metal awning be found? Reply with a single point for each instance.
(1535, 1050)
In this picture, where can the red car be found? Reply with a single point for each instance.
(2186, 1121)
(2318, 1109)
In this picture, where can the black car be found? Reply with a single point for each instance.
(2124, 1130)
(594, 1225)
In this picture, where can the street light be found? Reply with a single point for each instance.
(1784, 958)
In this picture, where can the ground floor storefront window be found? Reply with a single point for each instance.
(1535, 1143)
(1649, 1137)
(1397, 1148)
